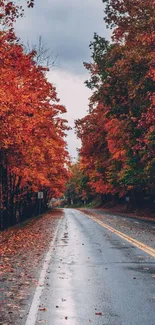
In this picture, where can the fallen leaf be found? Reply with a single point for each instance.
(43, 309)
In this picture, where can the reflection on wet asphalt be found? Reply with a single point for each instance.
(96, 278)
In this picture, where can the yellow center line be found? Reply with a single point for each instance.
(131, 240)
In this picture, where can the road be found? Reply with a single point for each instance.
(94, 277)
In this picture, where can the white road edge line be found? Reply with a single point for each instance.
(32, 315)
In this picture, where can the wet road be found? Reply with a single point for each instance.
(96, 278)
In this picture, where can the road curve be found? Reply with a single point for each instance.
(95, 277)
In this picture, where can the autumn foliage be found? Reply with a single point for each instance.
(11, 10)
(33, 155)
(77, 189)
(118, 134)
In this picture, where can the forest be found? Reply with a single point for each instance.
(33, 154)
(117, 157)
(116, 160)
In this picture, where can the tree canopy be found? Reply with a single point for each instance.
(118, 134)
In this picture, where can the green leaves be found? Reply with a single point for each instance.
(117, 135)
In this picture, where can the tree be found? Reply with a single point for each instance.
(33, 150)
(43, 55)
(10, 11)
(77, 188)
(32, 132)
(118, 133)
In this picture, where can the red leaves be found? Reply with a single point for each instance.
(22, 250)
(118, 136)
(10, 11)
(42, 309)
(129, 17)
(31, 130)
(98, 313)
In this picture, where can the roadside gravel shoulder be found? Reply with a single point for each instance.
(140, 230)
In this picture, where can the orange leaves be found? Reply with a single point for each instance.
(118, 141)
(117, 138)
(32, 129)
(129, 17)
(10, 11)
(28, 124)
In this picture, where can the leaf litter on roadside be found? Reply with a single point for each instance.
(22, 250)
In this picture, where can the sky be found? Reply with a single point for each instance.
(67, 27)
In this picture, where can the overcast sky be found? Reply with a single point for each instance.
(67, 27)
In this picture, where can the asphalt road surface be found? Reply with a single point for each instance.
(95, 277)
